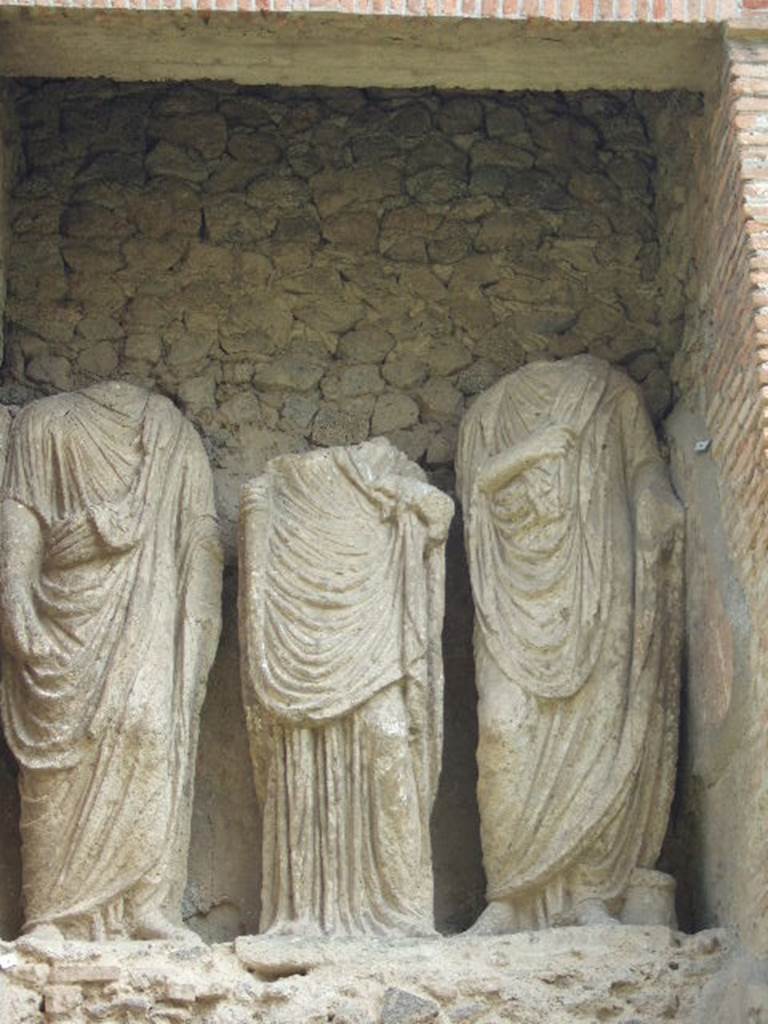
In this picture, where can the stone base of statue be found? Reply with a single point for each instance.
(563, 976)
(650, 899)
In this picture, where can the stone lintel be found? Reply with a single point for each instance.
(353, 50)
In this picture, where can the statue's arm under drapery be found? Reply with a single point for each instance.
(21, 557)
(254, 523)
(657, 512)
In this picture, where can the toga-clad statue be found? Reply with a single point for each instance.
(110, 584)
(341, 609)
(574, 539)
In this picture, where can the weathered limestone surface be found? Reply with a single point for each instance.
(563, 976)
(574, 539)
(342, 590)
(110, 585)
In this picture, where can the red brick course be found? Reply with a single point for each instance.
(731, 252)
(654, 11)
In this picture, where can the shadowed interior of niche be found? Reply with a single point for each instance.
(301, 267)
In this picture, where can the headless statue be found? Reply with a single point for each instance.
(574, 539)
(341, 609)
(110, 612)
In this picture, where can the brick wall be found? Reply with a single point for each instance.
(661, 11)
(722, 372)
(733, 246)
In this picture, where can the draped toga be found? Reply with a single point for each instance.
(342, 574)
(577, 637)
(102, 716)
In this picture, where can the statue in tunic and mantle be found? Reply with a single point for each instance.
(110, 584)
(574, 539)
(341, 610)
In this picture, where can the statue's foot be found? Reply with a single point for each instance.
(498, 918)
(45, 932)
(155, 926)
(593, 911)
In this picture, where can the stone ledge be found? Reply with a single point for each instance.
(337, 49)
(621, 973)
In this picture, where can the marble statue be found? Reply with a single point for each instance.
(341, 608)
(110, 582)
(574, 540)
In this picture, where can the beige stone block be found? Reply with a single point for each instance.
(393, 411)
(477, 377)
(179, 991)
(89, 220)
(451, 242)
(53, 370)
(357, 232)
(439, 400)
(230, 219)
(423, 283)
(501, 154)
(86, 972)
(99, 361)
(436, 185)
(352, 381)
(340, 425)
(336, 313)
(240, 408)
(256, 150)
(167, 160)
(365, 345)
(98, 327)
(336, 189)
(503, 121)
(61, 999)
(446, 356)
(404, 371)
(287, 373)
(436, 151)
(185, 350)
(460, 114)
(143, 348)
(205, 133)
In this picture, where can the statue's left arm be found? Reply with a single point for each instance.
(433, 507)
(203, 561)
(658, 514)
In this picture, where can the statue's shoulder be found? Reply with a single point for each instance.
(45, 413)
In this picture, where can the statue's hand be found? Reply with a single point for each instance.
(431, 505)
(23, 634)
(436, 509)
(552, 441)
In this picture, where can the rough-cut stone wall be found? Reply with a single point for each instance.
(304, 267)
